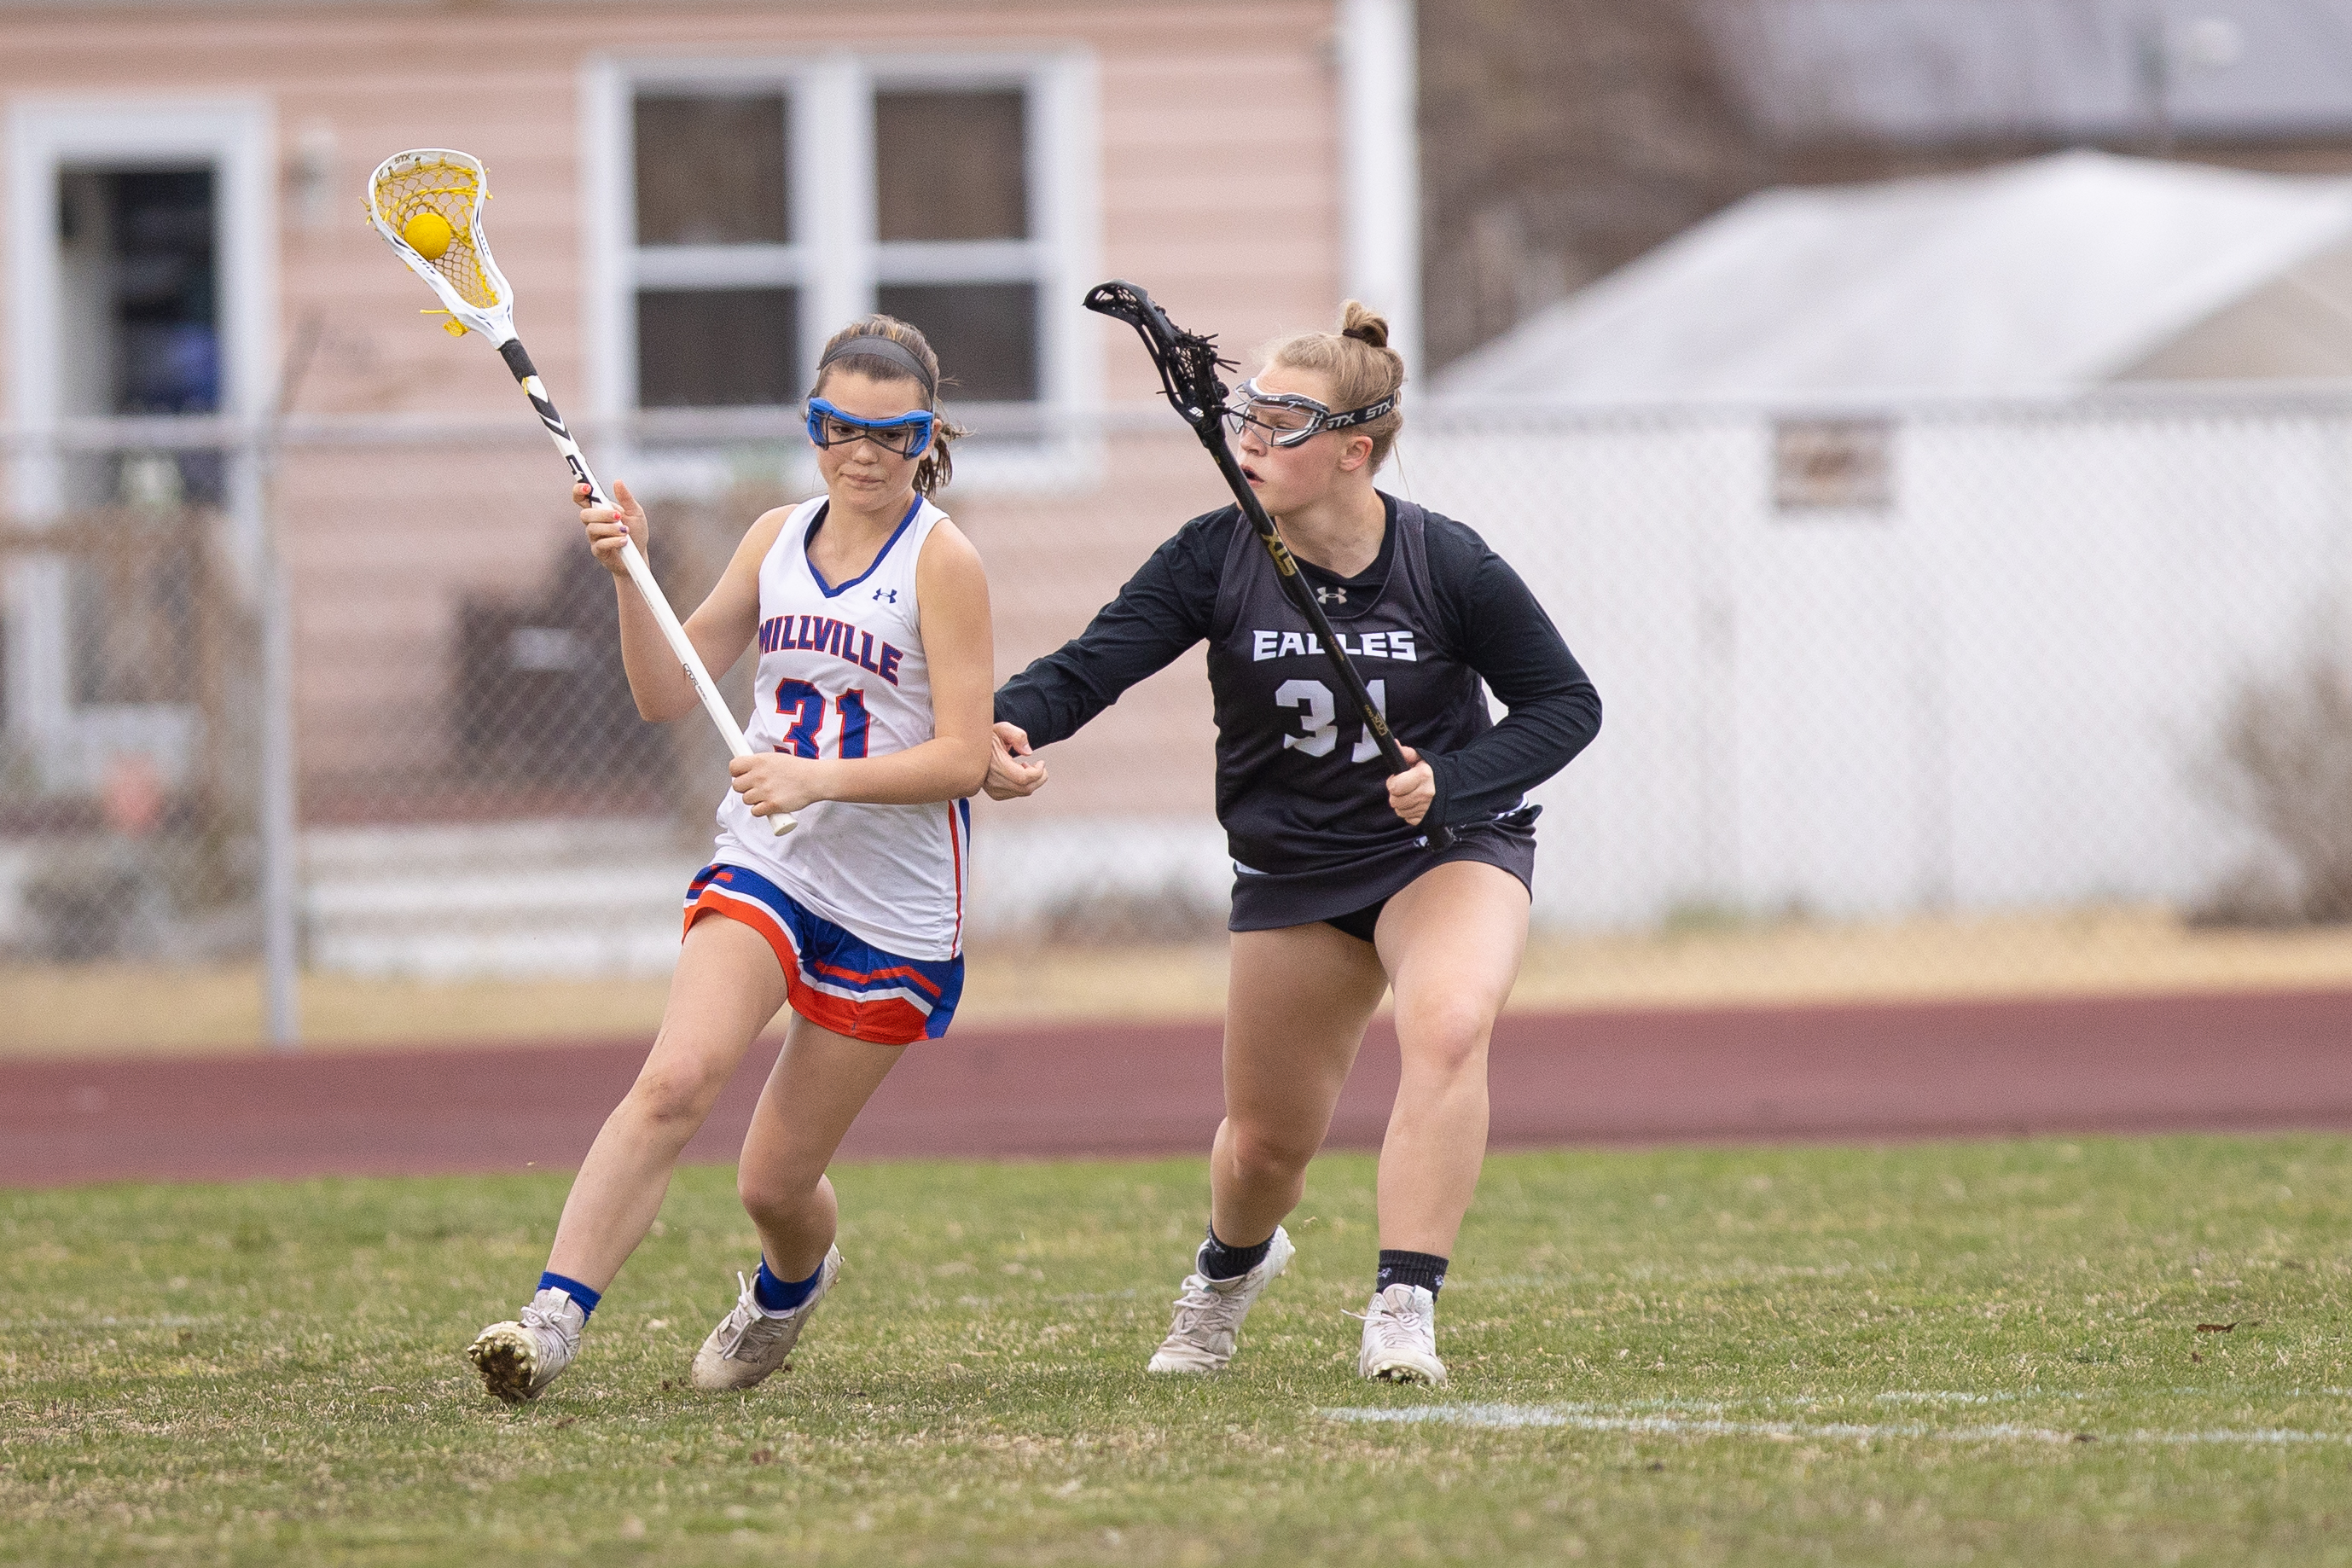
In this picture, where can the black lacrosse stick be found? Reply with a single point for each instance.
(1188, 366)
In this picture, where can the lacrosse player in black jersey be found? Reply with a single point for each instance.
(1339, 893)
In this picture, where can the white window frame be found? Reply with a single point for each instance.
(834, 260)
(238, 138)
(1380, 163)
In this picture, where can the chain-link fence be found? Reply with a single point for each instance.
(131, 813)
(1948, 658)
(1884, 685)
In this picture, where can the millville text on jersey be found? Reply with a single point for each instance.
(823, 634)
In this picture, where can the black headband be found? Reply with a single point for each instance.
(1364, 415)
(881, 347)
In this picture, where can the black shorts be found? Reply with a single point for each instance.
(1351, 901)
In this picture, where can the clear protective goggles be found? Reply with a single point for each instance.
(908, 435)
(1286, 418)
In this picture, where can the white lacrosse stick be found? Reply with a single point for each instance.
(427, 205)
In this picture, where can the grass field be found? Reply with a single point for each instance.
(1942, 1353)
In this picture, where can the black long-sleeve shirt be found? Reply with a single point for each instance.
(1487, 619)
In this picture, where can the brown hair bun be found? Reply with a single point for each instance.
(1360, 367)
(1364, 324)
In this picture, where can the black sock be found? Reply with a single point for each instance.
(1422, 1269)
(1218, 1261)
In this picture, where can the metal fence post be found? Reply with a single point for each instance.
(280, 957)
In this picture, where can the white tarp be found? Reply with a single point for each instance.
(2045, 275)
(1997, 691)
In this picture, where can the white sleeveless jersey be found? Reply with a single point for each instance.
(841, 674)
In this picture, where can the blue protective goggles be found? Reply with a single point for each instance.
(908, 435)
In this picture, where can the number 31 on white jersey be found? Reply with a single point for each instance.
(806, 709)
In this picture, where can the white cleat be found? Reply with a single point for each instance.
(519, 1359)
(1208, 1313)
(751, 1342)
(1401, 1336)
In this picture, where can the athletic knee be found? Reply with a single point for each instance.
(1269, 1154)
(673, 1095)
(1445, 1037)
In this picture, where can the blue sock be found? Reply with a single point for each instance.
(782, 1295)
(581, 1297)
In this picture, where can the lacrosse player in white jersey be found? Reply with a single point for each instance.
(869, 613)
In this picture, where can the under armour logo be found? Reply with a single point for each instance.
(1331, 595)
(891, 594)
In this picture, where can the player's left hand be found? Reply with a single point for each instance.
(777, 781)
(1013, 772)
(1413, 792)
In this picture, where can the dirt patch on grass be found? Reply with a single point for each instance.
(113, 1007)
(2089, 952)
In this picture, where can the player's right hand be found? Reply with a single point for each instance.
(1013, 773)
(611, 527)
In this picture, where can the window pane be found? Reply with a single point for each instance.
(705, 348)
(712, 171)
(984, 334)
(950, 166)
(159, 268)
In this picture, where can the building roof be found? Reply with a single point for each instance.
(1940, 71)
(2044, 274)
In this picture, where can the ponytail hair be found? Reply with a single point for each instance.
(1360, 366)
(935, 470)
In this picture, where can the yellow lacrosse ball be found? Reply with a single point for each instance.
(428, 235)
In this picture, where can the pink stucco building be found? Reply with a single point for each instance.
(688, 197)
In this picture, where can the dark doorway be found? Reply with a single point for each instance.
(139, 270)
(139, 251)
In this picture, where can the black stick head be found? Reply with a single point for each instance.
(1187, 361)
(1124, 301)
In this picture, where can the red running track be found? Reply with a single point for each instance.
(2219, 1063)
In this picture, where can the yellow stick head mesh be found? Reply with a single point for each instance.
(451, 187)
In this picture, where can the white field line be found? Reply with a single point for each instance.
(1645, 1274)
(1953, 1396)
(1813, 1403)
(1947, 1396)
(1622, 1418)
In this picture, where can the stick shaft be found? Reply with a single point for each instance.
(681, 646)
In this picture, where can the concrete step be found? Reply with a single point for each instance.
(587, 898)
(566, 899)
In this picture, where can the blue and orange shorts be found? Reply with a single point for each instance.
(835, 979)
